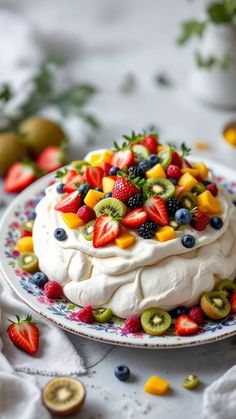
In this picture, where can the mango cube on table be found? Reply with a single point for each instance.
(25, 244)
(165, 233)
(93, 197)
(202, 169)
(187, 181)
(156, 385)
(156, 171)
(206, 202)
(107, 184)
(125, 240)
(72, 220)
(96, 160)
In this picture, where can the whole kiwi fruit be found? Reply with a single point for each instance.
(11, 150)
(38, 133)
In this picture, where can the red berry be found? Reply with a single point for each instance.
(196, 314)
(200, 220)
(52, 289)
(151, 143)
(86, 214)
(123, 189)
(135, 218)
(185, 326)
(233, 302)
(106, 230)
(69, 203)
(106, 167)
(174, 172)
(85, 315)
(213, 189)
(156, 210)
(176, 159)
(93, 176)
(26, 233)
(24, 334)
(122, 159)
(19, 176)
(132, 325)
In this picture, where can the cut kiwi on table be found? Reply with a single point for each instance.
(140, 152)
(79, 165)
(27, 226)
(165, 157)
(191, 382)
(88, 230)
(102, 315)
(159, 186)
(226, 285)
(155, 321)
(199, 188)
(110, 206)
(63, 396)
(188, 200)
(28, 261)
(215, 304)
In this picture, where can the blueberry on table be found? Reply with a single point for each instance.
(188, 241)
(60, 234)
(60, 188)
(39, 279)
(122, 372)
(183, 216)
(216, 223)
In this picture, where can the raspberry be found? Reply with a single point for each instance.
(52, 289)
(200, 220)
(212, 188)
(86, 315)
(174, 172)
(196, 314)
(132, 324)
(86, 214)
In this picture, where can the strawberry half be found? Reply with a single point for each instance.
(24, 334)
(69, 203)
(122, 159)
(93, 176)
(19, 176)
(184, 326)
(135, 218)
(151, 143)
(233, 302)
(156, 210)
(51, 158)
(71, 185)
(106, 230)
(176, 159)
(123, 189)
(200, 220)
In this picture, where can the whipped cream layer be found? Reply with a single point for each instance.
(148, 274)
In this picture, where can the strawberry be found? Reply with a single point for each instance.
(151, 143)
(93, 176)
(51, 158)
(200, 220)
(184, 326)
(186, 164)
(85, 315)
(123, 189)
(233, 302)
(106, 167)
(19, 176)
(52, 289)
(156, 210)
(105, 231)
(196, 314)
(176, 159)
(86, 214)
(71, 186)
(174, 172)
(24, 334)
(135, 218)
(69, 203)
(122, 159)
(68, 175)
(212, 187)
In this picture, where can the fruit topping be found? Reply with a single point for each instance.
(60, 188)
(160, 187)
(88, 230)
(157, 386)
(106, 230)
(165, 233)
(86, 214)
(122, 372)
(140, 152)
(147, 230)
(188, 200)
(212, 187)
(102, 315)
(174, 172)
(199, 188)
(156, 210)
(135, 171)
(187, 181)
(156, 171)
(188, 241)
(206, 202)
(72, 220)
(155, 321)
(52, 289)
(172, 205)
(165, 156)
(135, 201)
(135, 218)
(110, 206)
(69, 203)
(185, 326)
(24, 334)
(125, 239)
(123, 159)
(93, 197)
(60, 234)
(215, 305)
(124, 188)
(178, 311)
(183, 216)
(107, 183)
(191, 382)
(216, 223)
(83, 189)
(150, 142)
(200, 220)
(93, 176)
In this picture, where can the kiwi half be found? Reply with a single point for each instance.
(110, 206)
(199, 188)
(63, 396)
(155, 321)
(102, 315)
(159, 186)
(140, 152)
(191, 382)
(88, 230)
(28, 261)
(226, 285)
(188, 200)
(165, 157)
(215, 304)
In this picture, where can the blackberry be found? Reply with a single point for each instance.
(135, 201)
(173, 205)
(135, 171)
(147, 230)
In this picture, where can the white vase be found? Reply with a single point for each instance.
(215, 85)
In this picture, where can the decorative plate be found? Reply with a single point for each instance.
(61, 311)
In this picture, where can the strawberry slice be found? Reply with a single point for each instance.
(233, 302)
(106, 167)
(19, 176)
(51, 158)
(151, 143)
(135, 218)
(176, 159)
(93, 176)
(184, 326)
(69, 203)
(24, 334)
(106, 230)
(122, 159)
(156, 210)
(71, 185)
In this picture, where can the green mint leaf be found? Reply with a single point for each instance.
(185, 150)
(190, 29)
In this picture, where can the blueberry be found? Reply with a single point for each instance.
(178, 311)
(145, 165)
(114, 170)
(174, 181)
(60, 188)
(60, 234)
(188, 241)
(183, 216)
(153, 159)
(83, 189)
(206, 182)
(108, 195)
(39, 279)
(122, 372)
(98, 189)
(32, 215)
(217, 223)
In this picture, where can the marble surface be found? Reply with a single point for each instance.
(102, 42)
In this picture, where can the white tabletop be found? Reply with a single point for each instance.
(103, 41)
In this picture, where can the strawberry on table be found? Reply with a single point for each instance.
(93, 176)
(51, 158)
(150, 142)
(185, 326)
(135, 218)
(122, 159)
(106, 230)
(156, 210)
(24, 334)
(19, 176)
(124, 188)
(233, 302)
(69, 203)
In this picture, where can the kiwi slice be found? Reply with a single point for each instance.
(102, 315)
(63, 396)
(88, 230)
(199, 188)
(188, 200)
(226, 285)
(140, 152)
(215, 304)
(165, 157)
(191, 382)
(159, 186)
(79, 165)
(27, 226)
(155, 321)
(110, 206)
(176, 226)
(28, 261)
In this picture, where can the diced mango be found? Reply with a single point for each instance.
(92, 197)
(72, 220)
(206, 202)
(188, 181)
(107, 184)
(96, 160)
(156, 171)
(161, 148)
(165, 233)
(202, 169)
(193, 172)
(25, 244)
(156, 385)
(125, 240)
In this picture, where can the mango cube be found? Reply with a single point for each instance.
(96, 160)
(156, 385)
(125, 240)
(193, 172)
(188, 181)
(161, 148)
(165, 233)
(25, 244)
(107, 184)
(206, 202)
(156, 171)
(202, 169)
(72, 220)
(93, 197)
